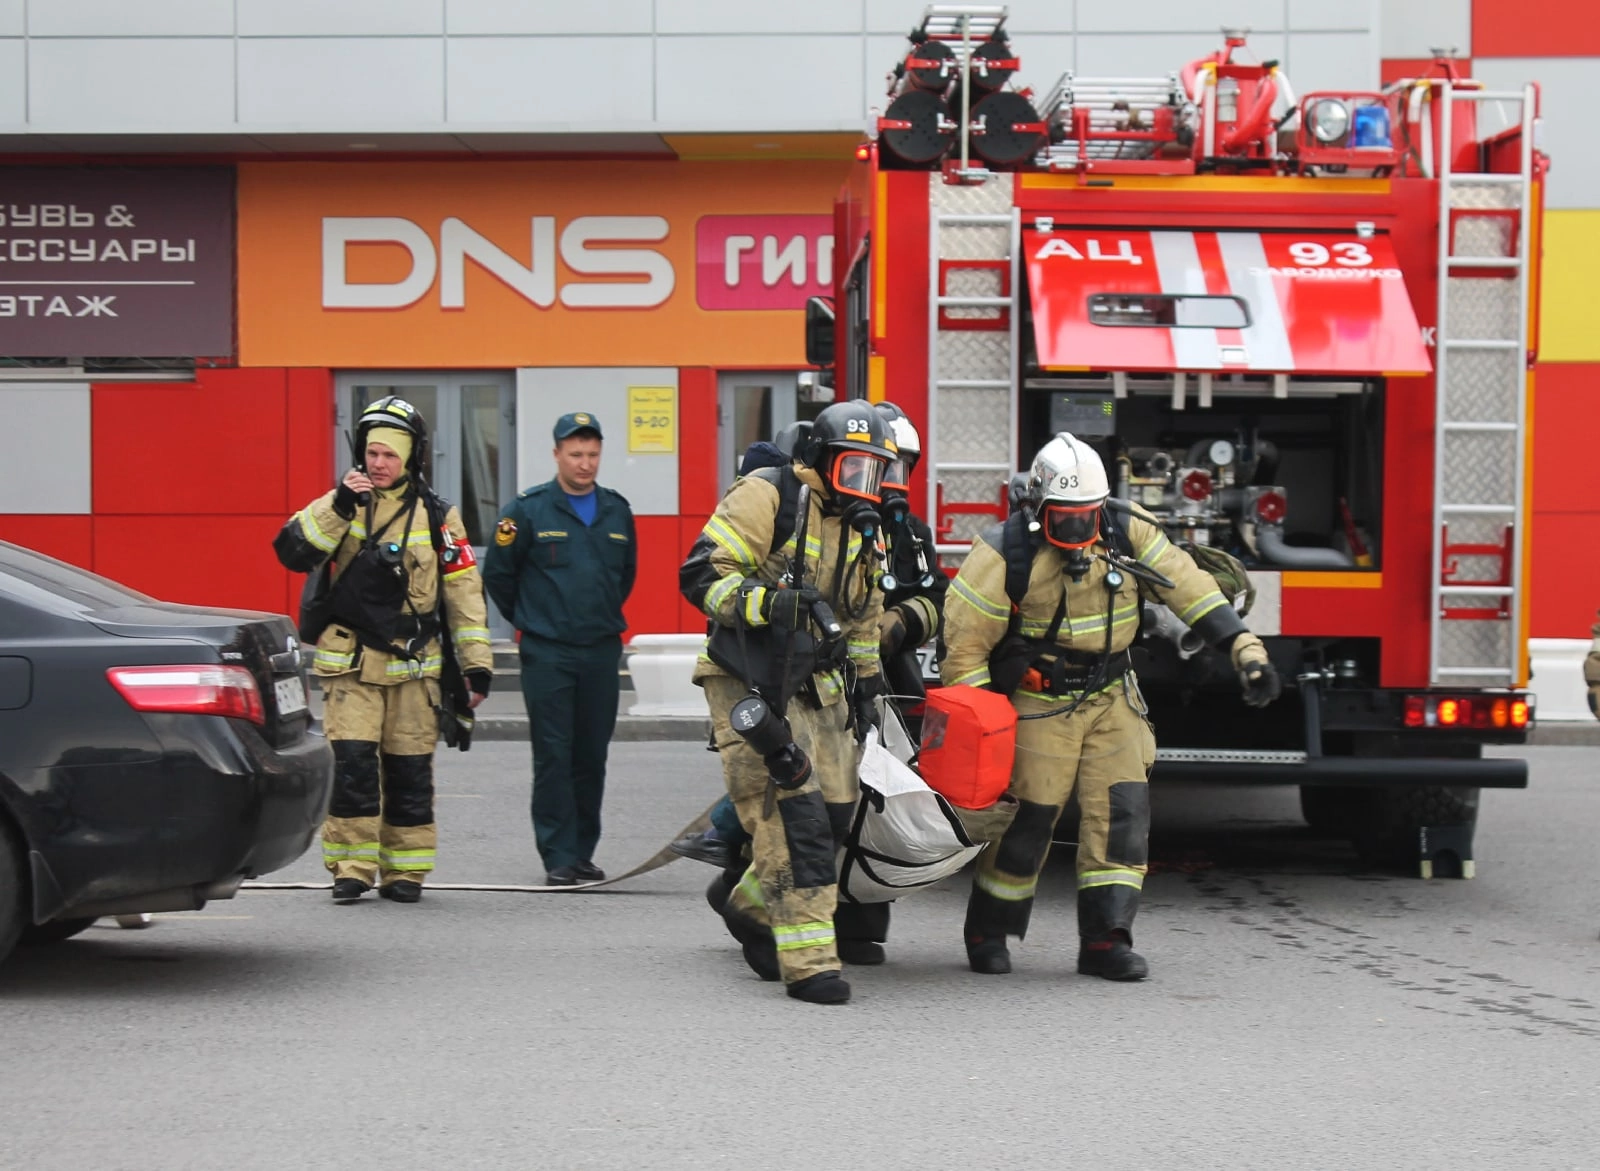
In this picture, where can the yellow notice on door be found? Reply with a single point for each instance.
(652, 420)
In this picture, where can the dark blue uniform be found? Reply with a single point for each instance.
(562, 583)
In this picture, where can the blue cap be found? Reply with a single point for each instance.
(569, 425)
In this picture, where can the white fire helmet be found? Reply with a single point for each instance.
(1068, 487)
(909, 443)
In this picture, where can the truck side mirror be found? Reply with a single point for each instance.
(819, 331)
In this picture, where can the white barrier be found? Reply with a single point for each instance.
(1557, 666)
(661, 666)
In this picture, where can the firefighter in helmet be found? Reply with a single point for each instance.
(401, 570)
(785, 570)
(1073, 569)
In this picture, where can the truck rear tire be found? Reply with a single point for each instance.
(1387, 832)
(13, 890)
(1333, 811)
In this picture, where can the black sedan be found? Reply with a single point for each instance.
(152, 756)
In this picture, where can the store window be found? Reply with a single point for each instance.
(472, 421)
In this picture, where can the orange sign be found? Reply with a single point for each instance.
(507, 264)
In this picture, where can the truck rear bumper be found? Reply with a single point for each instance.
(1296, 768)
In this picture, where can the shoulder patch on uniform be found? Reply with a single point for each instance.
(505, 532)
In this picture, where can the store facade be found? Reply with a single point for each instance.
(666, 298)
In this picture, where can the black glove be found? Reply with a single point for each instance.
(480, 680)
(1261, 683)
(345, 501)
(891, 632)
(788, 609)
(864, 701)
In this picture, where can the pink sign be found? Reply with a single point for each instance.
(762, 261)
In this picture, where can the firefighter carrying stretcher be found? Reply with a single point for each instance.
(1044, 610)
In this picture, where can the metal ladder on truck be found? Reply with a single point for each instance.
(1481, 419)
(974, 267)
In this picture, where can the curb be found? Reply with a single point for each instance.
(630, 729)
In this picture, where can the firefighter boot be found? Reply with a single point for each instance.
(755, 940)
(823, 988)
(1112, 958)
(348, 890)
(988, 956)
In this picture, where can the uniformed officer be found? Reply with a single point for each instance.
(401, 566)
(561, 566)
(781, 542)
(1081, 720)
(1591, 671)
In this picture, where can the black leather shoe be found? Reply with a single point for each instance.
(402, 891)
(589, 872)
(348, 890)
(562, 876)
(823, 988)
(988, 957)
(864, 953)
(1111, 960)
(702, 847)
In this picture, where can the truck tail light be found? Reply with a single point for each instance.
(203, 689)
(1480, 712)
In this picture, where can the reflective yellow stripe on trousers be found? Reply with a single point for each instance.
(803, 935)
(1114, 877)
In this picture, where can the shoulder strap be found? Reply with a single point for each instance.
(1114, 530)
(1017, 547)
(788, 485)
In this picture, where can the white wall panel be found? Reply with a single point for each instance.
(547, 17)
(1409, 28)
(1327, 16)
(13, 83)
(119, 18)
(1045, 16)
(1158, 54)
(773, 82)
(742, 16)
(44, 448)
(650, 482)
(88, 85)
(347, 18)
(1331, 61)
(1568, 84)
(13, 19)
(341, 82)
(1181, 16)
(549, 79)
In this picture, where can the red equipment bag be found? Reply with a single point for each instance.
(969, 740)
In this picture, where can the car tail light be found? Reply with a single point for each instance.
(203, 689)
(1484, 712)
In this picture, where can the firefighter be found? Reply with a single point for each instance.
(785, 569)
(1075, 568)
(1591, 671)
(401, 566)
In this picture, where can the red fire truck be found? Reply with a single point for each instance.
(1296, 328)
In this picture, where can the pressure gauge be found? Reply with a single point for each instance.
(1222, 453)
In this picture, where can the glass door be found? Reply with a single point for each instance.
(472, 461)
(753, 405)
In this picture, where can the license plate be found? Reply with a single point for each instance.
(291, 695)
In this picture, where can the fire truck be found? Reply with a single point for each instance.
(1297, 328)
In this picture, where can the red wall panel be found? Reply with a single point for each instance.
(1394, 68)
(70, 538)
(698, 490)
(653, 608)
(213, 446)
(224, 561)
(1564, 592)
(690, 619)
(309, 421)
(1535, 28)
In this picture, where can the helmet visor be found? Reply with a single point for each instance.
(1072, 526)
(857, 474)
(898, 475)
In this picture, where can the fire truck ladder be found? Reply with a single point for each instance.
(971, 445)
(1481, 379)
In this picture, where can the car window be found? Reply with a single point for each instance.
(67, 582)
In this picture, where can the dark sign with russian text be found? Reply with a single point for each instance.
(116, 262)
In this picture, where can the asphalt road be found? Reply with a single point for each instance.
(1301, 1013)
